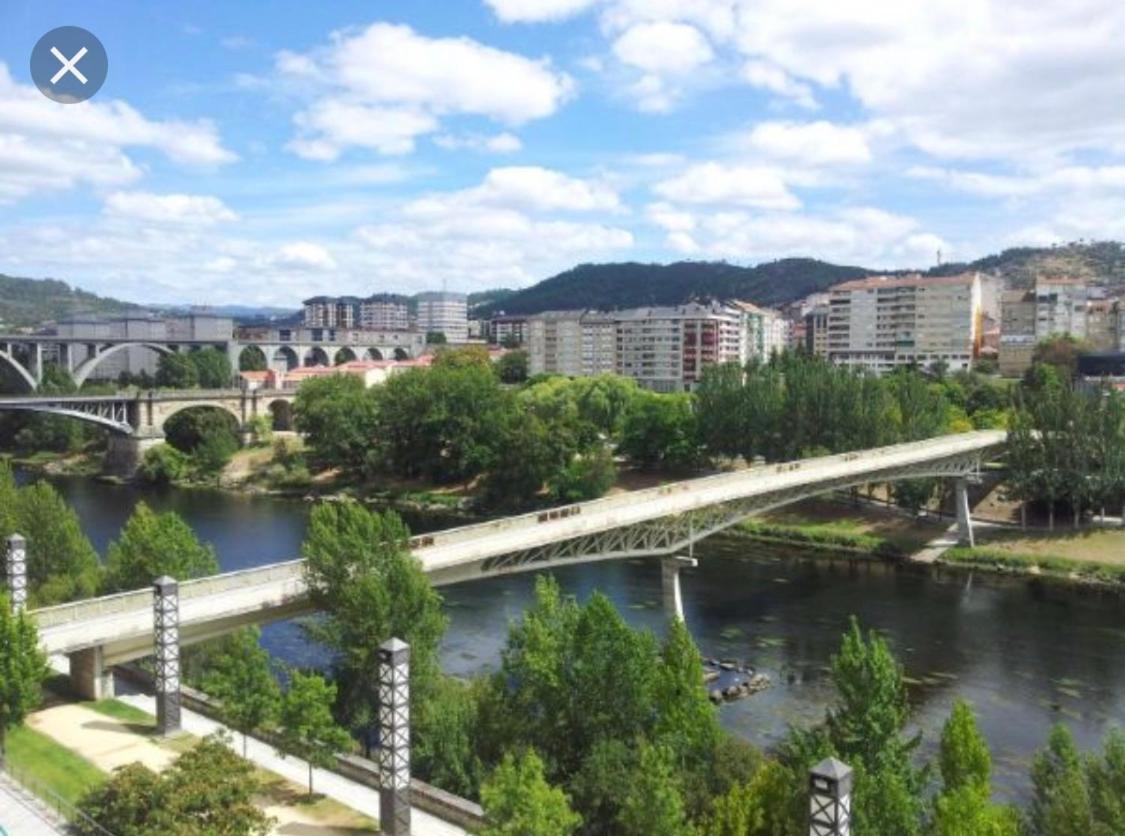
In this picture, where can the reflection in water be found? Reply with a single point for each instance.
(1026, 654)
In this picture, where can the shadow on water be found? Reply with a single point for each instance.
(1025, 653)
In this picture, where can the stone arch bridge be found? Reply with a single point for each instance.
(136, 419)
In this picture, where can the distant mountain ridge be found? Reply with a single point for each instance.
(28, 303)
(775, 283)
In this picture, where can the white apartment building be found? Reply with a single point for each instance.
(883, 322)
(765, 332)
(331, 312)
(447, 313)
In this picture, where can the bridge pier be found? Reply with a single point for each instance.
(964, 513)
(90, 677)
(126, 452)
(670, 584)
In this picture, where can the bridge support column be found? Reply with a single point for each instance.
(126, 452)
(166, 636)
(964, 515)
(670, 584)
(90, 677)
(394, 737)
(16, 570)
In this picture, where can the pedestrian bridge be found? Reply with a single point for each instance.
(661, 521)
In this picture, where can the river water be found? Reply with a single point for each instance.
(1025, 653)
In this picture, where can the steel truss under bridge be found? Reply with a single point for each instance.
(675, 533)
(107, 412)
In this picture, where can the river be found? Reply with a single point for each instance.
(1025, 653)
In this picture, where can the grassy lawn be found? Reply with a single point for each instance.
(121, 711)
(277, 791)
(1098, 545)
(50, 765)
(866, 527)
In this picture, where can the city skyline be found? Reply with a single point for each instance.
(238, 157)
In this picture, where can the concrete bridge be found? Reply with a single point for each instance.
(284, 349)
(136, 419)
(664, 522)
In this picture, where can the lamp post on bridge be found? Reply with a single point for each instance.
(16, 570)
(394, 737)
(166, 635)
(830, 798)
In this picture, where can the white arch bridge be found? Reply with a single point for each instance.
(662, 521)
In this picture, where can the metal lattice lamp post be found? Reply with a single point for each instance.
(166, 636)
(16, 565)
(830, 798)
(394, 737)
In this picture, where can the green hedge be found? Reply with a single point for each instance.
(997, 558)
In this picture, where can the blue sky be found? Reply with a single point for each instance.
(261, 152)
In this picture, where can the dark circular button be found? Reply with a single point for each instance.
(69, 64)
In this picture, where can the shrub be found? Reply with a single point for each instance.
(163, 464)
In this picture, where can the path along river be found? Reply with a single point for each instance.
(1024, 652)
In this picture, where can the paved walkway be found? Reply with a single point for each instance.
(22, 814)
(349, 793)
(937, 547)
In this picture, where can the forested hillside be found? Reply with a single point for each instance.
(31, 302)
(774, 283)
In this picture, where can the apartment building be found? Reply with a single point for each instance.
(816, 331)
(331, 312)
(384, 312)
(446, 313)
(765, 332)
(884, 322)
(1055, 305)
(507, 330)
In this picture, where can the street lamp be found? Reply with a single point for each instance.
(830, 798)
(17, 572)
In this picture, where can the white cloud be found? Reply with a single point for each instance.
(304, 255)
(331, 125)
(194, 210)
(663, 48)
(543, 189)
(537, 11)
(811, 144)
(1088, 179)
(501, 143)
(732, 185)
(44, 147)
(766, 76)
(382, 87)
(864, 235)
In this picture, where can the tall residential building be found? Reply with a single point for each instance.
(816, 331)
(507, 330)
(384, 312)
(883, 322)
(666, 349)
(447, 313)
(765, 332)
(331, 312)
(1053, 306)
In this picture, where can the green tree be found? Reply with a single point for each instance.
(152, 545)
(208, 790)
(435, 338)
(587, 476)
(176, 371)
(963, 808)
(1060, 804)
(757, 807)
(1059, 351)
(444, 744)
(252, 359)
(163, 465)
(652, 802)
(369, 587)
(61, 563)
(23, 667)
(307, 728)
(513, 367)
(242, 680)
(338, 416)
(1106, 781)
(661, 431)
(212, 368)
(518, 801)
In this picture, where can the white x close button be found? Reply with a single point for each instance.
(69, 64)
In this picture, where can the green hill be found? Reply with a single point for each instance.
(29, 303)
(631, 284)
(626, 285)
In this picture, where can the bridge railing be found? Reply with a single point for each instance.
(452, 536)
(126, 602)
